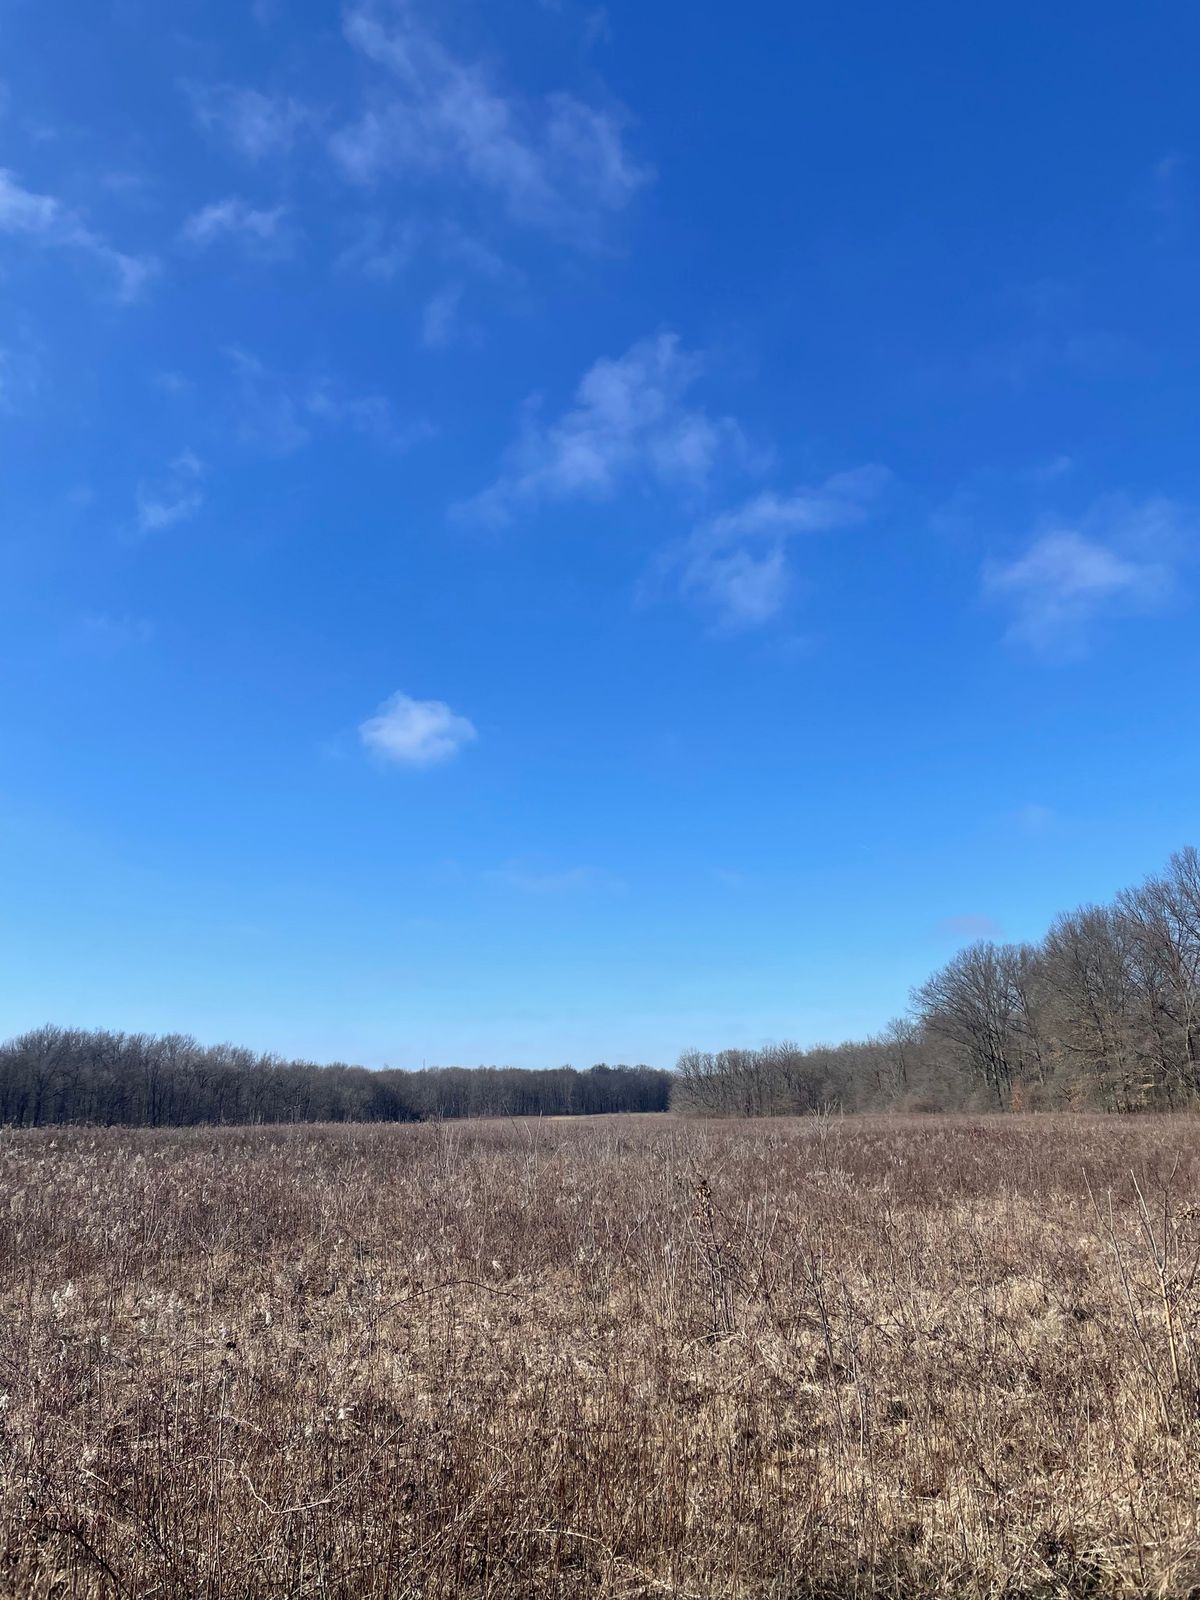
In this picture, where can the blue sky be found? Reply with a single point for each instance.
(556, 532)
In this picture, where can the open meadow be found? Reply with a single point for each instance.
(629, 1356)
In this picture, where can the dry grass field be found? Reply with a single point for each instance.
(620, 1357)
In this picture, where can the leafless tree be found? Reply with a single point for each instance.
(974, 1003)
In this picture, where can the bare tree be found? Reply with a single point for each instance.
(1089, 972)
(974, 1003)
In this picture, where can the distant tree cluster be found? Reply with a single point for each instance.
(66, 1075)
(1104, 1013)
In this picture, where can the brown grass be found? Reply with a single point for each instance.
(624, 1357)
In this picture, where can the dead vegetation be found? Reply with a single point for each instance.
(627, 1357)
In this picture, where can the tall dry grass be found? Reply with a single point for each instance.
(632, 1357)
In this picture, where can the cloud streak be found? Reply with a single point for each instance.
(1071, 580)
(737, 564)
(263, 232)
(45, 221)
(567, 880)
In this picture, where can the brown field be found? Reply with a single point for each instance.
(620, 1357)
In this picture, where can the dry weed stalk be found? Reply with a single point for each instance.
(634, 1357)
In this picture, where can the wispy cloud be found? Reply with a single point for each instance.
(372, 415)
(1036, 818)
(173, 383)
(45, 221)
(255, 125)
(559, 163)
(1052, 469)
(270, 413)
(730, 877)
(133, 187)
(1086, 353)
(1118, 562)
(744, 587)
(380, 248)
(263, 232)
(279, 415)
(20, 375)
(415, 733)
(635, 422)
(1168, 193)
(598, 27)
(1049, 336)
(439, 319)
(174, 497)
(737, 562)
(632, 419)
(103, 634)
(567, 880)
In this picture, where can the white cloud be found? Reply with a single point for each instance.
(262, 231)
(1069, 580)
(737, 562)
(558, 164)
(46, 221)
(415, 733)
(256, 125)
(173, 498)
(631, 419)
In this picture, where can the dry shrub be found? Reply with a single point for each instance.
(626, 1357)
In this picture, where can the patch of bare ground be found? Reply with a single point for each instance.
(621, 1357)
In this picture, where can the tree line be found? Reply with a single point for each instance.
(69, 1075)
(1103, 1013)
